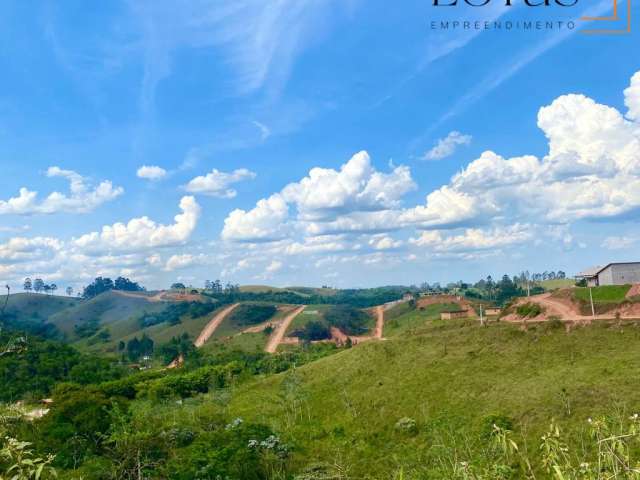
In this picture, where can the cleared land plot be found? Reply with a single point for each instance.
(309, 314)
(237, 336)
(235, 324)
(415, 318)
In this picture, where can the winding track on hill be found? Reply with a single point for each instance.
(211, 327)
(379, 322)
(278, 335)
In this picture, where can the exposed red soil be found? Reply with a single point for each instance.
(163, 296)
(563, 308)
(177, 363)
(279, 334)
(634, 291)
(211, 327)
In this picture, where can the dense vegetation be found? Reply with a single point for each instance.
(39, 364)
(252, 314)
(351, 321)
(110, 427)
(313, 331)
(101, 285)
(174, 312)
(361, 298)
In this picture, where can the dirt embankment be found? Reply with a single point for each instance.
(634, 292)
(562, 306)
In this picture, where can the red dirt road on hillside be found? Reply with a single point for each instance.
(379, 322)
(278, 335)
(567, 311)
(211, 327)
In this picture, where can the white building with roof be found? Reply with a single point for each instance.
(621, 273)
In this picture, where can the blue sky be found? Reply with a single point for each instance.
(238, 104)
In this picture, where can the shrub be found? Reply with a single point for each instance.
(314, 330)
(350, 320)
(529, 310)
(252, 314)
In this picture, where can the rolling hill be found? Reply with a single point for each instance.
(447, 379)
(421, 402)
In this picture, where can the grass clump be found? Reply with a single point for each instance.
(529, 310)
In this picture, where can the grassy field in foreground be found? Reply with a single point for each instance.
(448, 377)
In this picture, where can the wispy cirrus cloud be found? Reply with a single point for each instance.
(445, 147)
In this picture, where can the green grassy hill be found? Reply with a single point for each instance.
(421, 404)
(449, 377)
(111, 309)
(556, 284)
(33, 306)
(30, 312)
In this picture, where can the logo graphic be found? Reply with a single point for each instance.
(619, 23)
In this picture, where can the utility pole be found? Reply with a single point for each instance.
(481, 319)
(593, 310)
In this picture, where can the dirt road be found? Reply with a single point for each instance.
(278, 335)
(141, 296)
(162, 296)
(211, 327)
(567, 311)
(379, 322)
(558, 308)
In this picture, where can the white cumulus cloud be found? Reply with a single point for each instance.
(265, 222)
(82, 197)
(321, 199)
(217, 183)
(632, 98)
(151, 172)
(141, 233)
